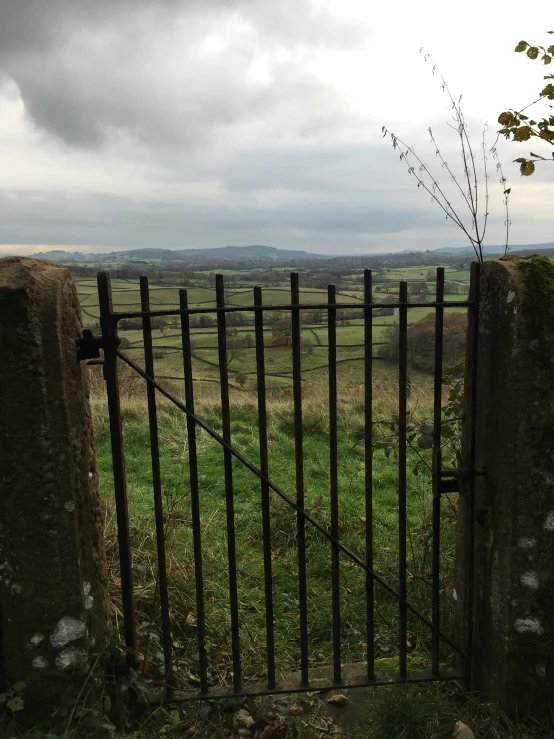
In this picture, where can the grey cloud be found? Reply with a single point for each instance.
(102, 220)
(89, 71)
(28, 24)
(339, 168)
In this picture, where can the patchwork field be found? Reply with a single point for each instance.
(241, 360)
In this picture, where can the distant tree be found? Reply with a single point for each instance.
(322, 279)
(206, 321)
(241, 378)
(235, 345)
(307, 346)
(386, 311)
(518, 126)
(421, 342)
(159, 322)
(271, 317)
(281, 333)
(418, 288)
(316, 316)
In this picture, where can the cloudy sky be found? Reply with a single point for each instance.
(201, 123)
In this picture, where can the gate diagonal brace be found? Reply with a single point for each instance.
(349, 553)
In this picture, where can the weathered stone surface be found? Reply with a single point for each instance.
(53, 604)
(513, 613)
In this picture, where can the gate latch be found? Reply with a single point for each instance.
(89, 346)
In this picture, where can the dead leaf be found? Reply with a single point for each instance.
(462, 731)
(296, 710)
(338, 700)
(321, 725)
(271, 732)
(242, 720)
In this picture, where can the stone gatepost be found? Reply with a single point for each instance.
(53, 602)
(513, 606)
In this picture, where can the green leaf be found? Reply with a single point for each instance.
(546, 58)
(425, 441)
(16, 704)
(527, 168)
(532, 52)
(521, 46)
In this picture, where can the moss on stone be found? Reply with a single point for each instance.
(537, 272)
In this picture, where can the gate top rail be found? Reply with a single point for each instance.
(290, 306)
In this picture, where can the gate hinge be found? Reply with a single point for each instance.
(89, 346)
(457, 475)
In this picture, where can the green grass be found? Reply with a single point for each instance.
(248, 525)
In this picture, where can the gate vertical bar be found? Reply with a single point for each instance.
(299, 461)
(110, 342)
(333, 478)
(470, 392)
(402, 408)
(368, 451)
(194, 493)
(156, 483)
(436, 472)
(229, 492)
(264, 467)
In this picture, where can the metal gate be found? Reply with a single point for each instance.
(443, 481)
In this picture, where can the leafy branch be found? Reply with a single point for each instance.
(520, 127)
(468, 186)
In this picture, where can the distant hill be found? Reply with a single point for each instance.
(258, 252)
(255, 251)
(496, 249)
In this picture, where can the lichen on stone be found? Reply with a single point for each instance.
(530, 579)
(67, 629)
(72, 659)
(537, 272)
(528, 625)
(35, 640)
